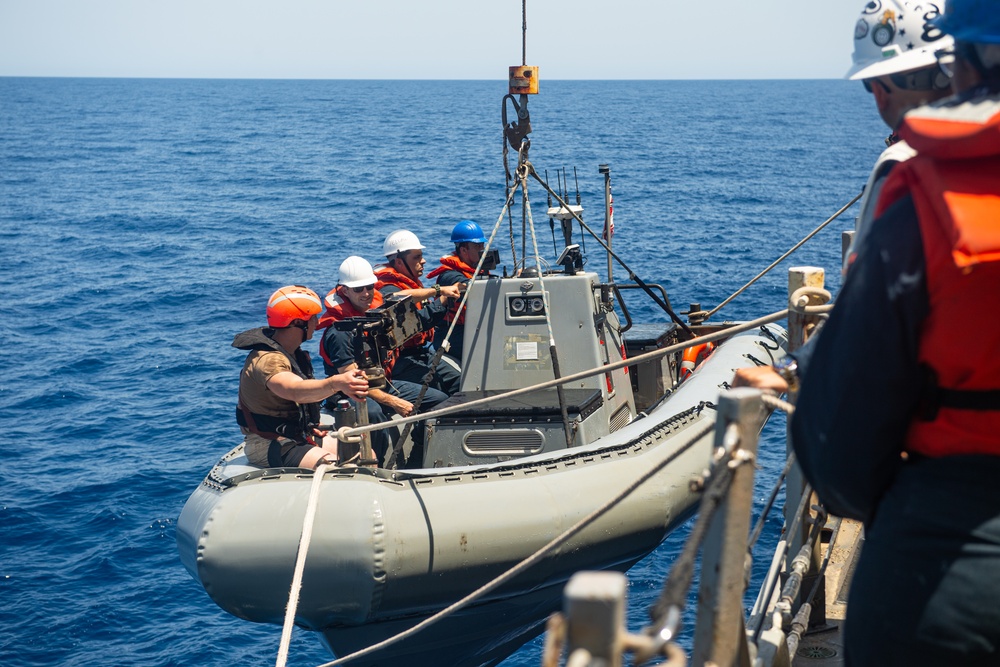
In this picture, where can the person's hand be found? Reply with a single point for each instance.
(450, 292)
(353, 383)
(402, 407)
(760, 377)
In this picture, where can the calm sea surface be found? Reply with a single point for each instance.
(145, 222)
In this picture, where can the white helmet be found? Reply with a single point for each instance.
(400, 240)
(895, 36)
(356, 272)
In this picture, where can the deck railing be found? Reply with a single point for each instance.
(590, 631)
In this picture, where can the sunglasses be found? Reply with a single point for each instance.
(363, 288)
(923, 79)
(946, 60)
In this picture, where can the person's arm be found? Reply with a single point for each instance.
(403, 407)
(434, 309)
(423, 293)
(291, 387)
(862, 384)
(760, 377)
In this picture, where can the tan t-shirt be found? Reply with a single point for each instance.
(261, 366)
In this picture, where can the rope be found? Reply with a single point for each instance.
(526, 204)
(300, 564)
(638, 359)
(800, 300)
(776, 403)
(665, 614)
(782, 258)
(532, 559)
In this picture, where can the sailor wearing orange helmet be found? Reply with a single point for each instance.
(279, 398)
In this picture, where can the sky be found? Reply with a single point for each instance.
(428, 39)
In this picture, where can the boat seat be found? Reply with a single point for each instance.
(645, 337)
(537, 406)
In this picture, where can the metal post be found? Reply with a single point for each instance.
(846, 239)
(719, 634)
(594, 604)
(800, 326)
(366, 438)
(606, 170)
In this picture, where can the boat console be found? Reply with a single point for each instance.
(507, 346)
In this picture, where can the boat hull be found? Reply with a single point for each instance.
(391, 548)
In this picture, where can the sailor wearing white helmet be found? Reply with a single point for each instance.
(894, 46)
(401, 274)
(354, 296)
(912, 446)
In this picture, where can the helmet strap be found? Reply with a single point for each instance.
(402, 266)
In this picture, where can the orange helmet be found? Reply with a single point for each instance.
(291, 303)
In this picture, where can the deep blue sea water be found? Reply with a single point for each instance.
(145, 222)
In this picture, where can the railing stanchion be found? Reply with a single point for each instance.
(800, 327)
(719, 634)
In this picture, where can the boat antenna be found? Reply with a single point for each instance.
(552, 222)
(609, 221)
(583, 237)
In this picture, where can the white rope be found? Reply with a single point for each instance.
(300, 563)
(802, 300)
(526, 203)
(776, 403)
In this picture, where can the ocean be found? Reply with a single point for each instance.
(143, 223)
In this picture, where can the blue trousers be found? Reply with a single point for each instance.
(408, 391)
(927, 587)
(413, 366)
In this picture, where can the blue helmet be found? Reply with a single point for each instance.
(976, 21)
(467, 232)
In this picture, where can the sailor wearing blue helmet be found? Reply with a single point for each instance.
(458, 268)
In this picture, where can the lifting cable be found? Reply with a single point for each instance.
(526, 207)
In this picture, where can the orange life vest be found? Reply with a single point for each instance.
(338, 308)
(387, 276)
(954, 181)
(453, 263)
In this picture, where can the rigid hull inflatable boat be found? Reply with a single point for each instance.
(500, 480)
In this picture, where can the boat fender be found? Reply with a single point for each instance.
(693, 356)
